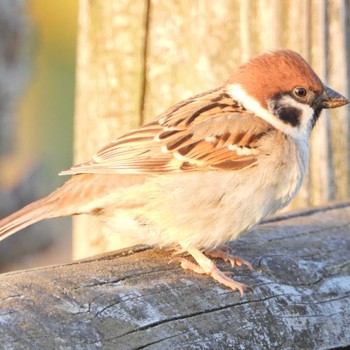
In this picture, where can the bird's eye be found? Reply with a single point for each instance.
(300, 92)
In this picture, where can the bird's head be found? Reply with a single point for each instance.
(282, 88)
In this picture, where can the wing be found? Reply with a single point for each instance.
(208, 131)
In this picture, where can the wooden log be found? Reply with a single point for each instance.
(135, 299)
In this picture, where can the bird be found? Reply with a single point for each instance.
(206, 170)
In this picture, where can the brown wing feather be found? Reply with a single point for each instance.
(208, 131)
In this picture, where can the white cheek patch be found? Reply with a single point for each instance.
(252, 105)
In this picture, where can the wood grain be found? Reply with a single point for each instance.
(135, 299)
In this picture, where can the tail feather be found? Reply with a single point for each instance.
(30, 214)
(76, 196)
(54, 205)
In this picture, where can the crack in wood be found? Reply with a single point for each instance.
(191, 315)
(160, 341)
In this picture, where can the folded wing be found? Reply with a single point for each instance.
(208, 131)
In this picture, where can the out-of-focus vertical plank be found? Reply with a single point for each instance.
(345, 20)
(339, 80)
(193, 46)
(245, 33)
(321, 162)
(109, 80)
(144, 56)
(270, 24)
(296, 29)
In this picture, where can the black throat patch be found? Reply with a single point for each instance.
(316, 116)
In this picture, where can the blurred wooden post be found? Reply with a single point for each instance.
(109, 88)
(13, 69)
(321, 170)
(135, 59)
(339, 79)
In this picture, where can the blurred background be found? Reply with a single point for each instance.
(37, 69)
(135, 59)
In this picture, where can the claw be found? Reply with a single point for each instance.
(208, 267)
(188, 265)
(224, 253)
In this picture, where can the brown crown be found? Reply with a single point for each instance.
(272, 73)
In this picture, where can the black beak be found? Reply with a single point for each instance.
(332, 99)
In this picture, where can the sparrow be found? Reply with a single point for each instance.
(206, 170)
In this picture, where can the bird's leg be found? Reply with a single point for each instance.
(224, 252)
(208, 267)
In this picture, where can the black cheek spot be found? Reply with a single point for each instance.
(289, 115)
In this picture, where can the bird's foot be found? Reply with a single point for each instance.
(224, 252)
(208, 267)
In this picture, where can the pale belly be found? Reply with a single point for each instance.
(201, 210)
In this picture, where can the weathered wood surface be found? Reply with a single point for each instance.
(135, 299)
